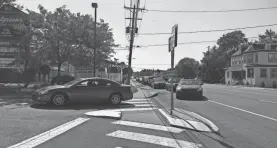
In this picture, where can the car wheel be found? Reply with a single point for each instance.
(59, 99)
(115, 99)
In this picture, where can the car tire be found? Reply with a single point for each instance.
(115, 99)
(59, 99)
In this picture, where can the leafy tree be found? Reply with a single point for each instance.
(269, 36)
(219, 56)
(187, 68)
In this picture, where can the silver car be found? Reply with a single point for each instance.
(84, 90)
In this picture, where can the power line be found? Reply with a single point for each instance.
(185, 43)
(211, 11)
(216, 30)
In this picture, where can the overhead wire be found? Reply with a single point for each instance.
(216, 30)
(211, 11)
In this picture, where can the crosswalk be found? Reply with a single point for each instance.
(150, 138)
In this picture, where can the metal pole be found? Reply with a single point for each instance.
(94, 41)
(171, 83)
(131, 45)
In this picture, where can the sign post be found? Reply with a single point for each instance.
(172, 43)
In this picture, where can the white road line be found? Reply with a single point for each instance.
(246, 92)
(142, 102)
(133, 109)
(270, 118)
(163, 141)
(149, 126)
(43, 137)
(267, 101)
(136, 100)
(138, 105)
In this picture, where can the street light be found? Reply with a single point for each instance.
(95, 6)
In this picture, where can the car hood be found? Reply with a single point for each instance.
(51, 87)
(159, 82)
(190, 86)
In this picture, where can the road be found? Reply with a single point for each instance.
(246, 116)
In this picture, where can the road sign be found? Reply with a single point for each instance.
(172, 41)
(12, 30)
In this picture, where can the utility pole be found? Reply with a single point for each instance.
(132, 30)
(95, 6)
(208, 65)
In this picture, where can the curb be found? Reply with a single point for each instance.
(188, 124)
(200, 118)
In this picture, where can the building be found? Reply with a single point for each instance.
(253, 65)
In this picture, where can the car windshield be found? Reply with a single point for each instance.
(175, 80)
(72, 82)
(189, 82)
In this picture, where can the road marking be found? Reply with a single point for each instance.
(267, 101)
(133, 109)
(43, 137)
(246, 92)
(244, 110)
(149, 126)
(138, 105)
(163, 141)
(141, 102)
(135, 100)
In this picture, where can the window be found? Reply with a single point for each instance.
(263, 73)
(250, 58)
(275, 58)
(270, 58)
(256, 57)
(273, 72)
(244, 59)
(250, 73)
(228, 74)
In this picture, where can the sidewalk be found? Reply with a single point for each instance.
(243, 86)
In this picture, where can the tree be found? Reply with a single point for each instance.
(215, 60)
(68, 38)
(269, 36)
(187, 68)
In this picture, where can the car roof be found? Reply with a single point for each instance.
(93, 78)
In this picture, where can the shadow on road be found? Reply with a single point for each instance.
(81, 106)
(190, 98)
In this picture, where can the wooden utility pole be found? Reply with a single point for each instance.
(208, 65)
(132, 30)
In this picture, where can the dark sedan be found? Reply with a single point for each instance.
(158, 83)
(189, 88)
(84, 90)
(175, 83)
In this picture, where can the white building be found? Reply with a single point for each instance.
(255, 66)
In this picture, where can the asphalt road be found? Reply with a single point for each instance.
(246, 116)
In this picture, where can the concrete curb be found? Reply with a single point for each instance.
(202, 119)
(188, 124)
(105, 114)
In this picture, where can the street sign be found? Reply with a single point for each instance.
(12, 31)
(172, 41)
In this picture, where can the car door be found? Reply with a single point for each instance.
(80, 91)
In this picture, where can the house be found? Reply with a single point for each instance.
(254, 65)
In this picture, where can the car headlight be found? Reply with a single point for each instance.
(43, 92)
(178, 88)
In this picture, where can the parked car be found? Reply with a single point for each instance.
(84, 90)
(175, 83)
(189, 88)
(159, 83)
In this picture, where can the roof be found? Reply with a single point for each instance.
(259, 65)
(261, 47)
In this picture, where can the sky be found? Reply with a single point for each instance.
(158, 57)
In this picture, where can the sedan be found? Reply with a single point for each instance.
(158, 83)
(189, 88)
(175, 82)
(84, 90)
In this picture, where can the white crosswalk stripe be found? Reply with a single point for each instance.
(153, 139)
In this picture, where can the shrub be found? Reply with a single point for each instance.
(62, 79)
(262, 84)
(274, 85)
